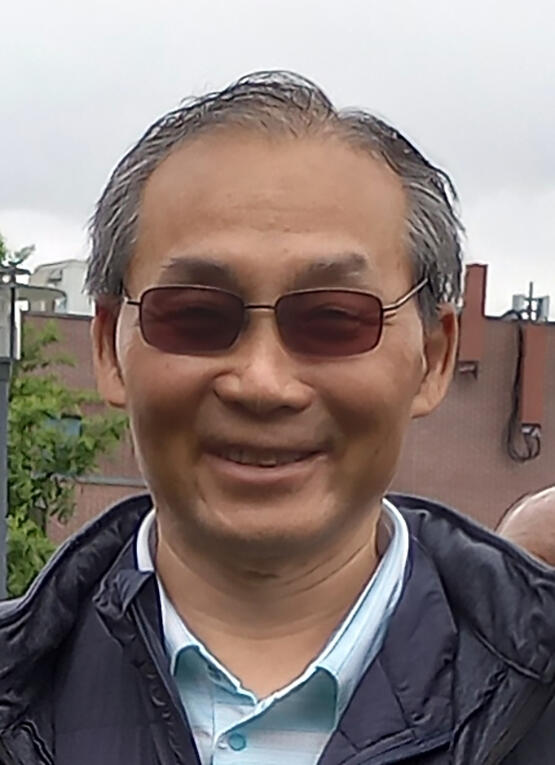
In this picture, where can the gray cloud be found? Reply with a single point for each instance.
(471, 83)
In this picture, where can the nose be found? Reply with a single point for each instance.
(262, 376)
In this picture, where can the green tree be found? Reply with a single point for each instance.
(14, 258)
(55, 436)
(45, 456)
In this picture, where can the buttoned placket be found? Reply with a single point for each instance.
(232, 725)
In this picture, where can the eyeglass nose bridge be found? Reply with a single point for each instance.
(247, 307)
(260, 306)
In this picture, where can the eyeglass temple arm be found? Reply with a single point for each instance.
(402, 300)
(127, 297)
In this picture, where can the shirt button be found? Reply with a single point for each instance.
(237, 741)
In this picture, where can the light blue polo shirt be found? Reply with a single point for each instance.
(230, 725)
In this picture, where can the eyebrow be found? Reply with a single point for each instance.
(207, 271)
(332, 270)
(211, 271)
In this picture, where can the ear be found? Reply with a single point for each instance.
(106, 366)
(440, 352)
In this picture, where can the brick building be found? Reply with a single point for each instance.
(457, 455)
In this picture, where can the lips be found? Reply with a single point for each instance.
(265, 458)
(244, 469)
(261, 455)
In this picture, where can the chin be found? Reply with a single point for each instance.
(266, 532)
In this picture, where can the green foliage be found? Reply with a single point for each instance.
(44, 456)
(9, 258)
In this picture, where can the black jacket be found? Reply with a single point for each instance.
(466, 674)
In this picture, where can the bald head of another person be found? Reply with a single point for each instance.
(530, 523)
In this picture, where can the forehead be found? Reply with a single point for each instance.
(274, 202)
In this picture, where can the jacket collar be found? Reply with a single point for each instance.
(413, 715)
(33, 627)
(412, 677)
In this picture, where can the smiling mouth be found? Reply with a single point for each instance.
(263, 458)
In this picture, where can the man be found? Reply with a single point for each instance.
(276, 286)
(530, 523)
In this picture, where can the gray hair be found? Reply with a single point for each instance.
(284, 102)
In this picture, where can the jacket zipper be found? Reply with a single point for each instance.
(136, 610)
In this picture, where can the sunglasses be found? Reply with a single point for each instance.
(196, 320)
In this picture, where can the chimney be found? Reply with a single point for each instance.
(472, 320)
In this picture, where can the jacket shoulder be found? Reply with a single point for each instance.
(34, 627)
(501, 594)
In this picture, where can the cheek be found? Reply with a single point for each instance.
(163, 396)
(371, 402)
(376, 389)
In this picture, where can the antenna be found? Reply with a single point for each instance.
(542, 308)
(531, 308)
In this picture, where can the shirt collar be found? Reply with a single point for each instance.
(176, 635)
(354, 644)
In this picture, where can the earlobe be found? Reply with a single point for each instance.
(440, 350)
(109, 380)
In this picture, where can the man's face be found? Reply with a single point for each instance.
(255, 215)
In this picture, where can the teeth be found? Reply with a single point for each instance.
(244, 457)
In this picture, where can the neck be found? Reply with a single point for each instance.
(287, 612)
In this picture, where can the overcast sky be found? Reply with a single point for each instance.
(471, 83)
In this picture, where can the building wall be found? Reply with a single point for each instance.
(456, 455)
(118, 475)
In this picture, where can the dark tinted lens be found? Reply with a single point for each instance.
(190, 319)
(330, 322)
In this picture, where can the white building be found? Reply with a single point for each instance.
(68, 276)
